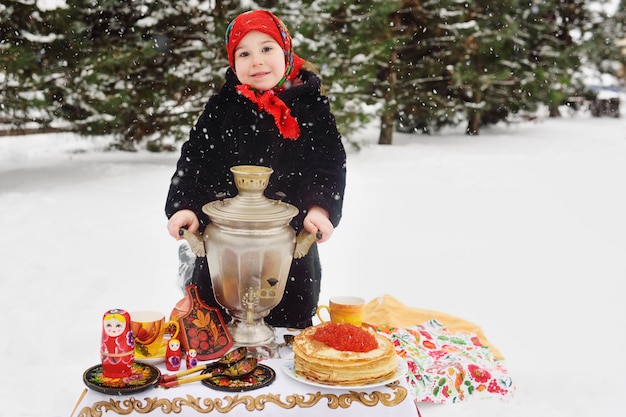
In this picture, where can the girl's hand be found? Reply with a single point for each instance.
(183, 218)
(316, 220)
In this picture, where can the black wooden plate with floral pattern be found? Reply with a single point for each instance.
(142, 376)
(262, 376)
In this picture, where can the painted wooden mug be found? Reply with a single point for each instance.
(149, 328)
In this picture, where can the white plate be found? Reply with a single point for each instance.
(288, 368)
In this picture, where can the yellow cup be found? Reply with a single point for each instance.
(149, 328)
(343, 309)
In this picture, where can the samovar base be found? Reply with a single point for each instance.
(258, 337)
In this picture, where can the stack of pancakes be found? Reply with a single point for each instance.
(321, 363)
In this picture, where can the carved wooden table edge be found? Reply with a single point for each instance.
(126, 406)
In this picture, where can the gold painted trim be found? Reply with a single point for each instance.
(249, 402)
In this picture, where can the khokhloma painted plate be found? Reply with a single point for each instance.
(142, 376)
(262, 376)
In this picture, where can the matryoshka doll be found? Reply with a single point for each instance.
(117, 350)
(173, 355)
(191, 359)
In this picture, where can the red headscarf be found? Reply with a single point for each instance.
(266, 22)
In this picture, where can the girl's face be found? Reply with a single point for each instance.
(259, 61)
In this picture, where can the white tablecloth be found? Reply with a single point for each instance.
(284, 397)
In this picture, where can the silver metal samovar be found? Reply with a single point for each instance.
(249, 246)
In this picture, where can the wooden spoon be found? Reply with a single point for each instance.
(230, 358)
(237, 370)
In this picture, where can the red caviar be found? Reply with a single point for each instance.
(346, 337)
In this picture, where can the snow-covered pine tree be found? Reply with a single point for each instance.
(137, 69)
(484, 59)
(554, 51)
(350, 43)
(144, 69)
(22, 59)
(426, 37)
(619, 39)
(604, 47)
(490, 73)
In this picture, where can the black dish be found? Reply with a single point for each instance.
(142, 377)
(262, 376)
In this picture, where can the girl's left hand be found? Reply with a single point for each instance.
(316, 221)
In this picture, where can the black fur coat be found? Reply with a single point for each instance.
(310, 171)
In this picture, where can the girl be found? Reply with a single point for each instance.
(269, 112)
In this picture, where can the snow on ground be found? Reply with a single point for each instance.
(521, 230)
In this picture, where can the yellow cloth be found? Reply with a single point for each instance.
(387, 311)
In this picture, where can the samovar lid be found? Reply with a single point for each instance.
(250, 204)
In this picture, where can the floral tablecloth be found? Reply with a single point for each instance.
(446, 366)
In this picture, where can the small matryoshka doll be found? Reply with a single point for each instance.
(191, 359)
(117, 350)
(173, 355)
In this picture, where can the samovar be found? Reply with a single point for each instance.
(249, 246)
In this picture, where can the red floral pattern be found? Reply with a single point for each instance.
(448, 367)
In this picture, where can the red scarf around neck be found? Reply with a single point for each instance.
(268, 101)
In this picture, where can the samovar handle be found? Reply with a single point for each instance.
(304, 241)
(196, 241)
